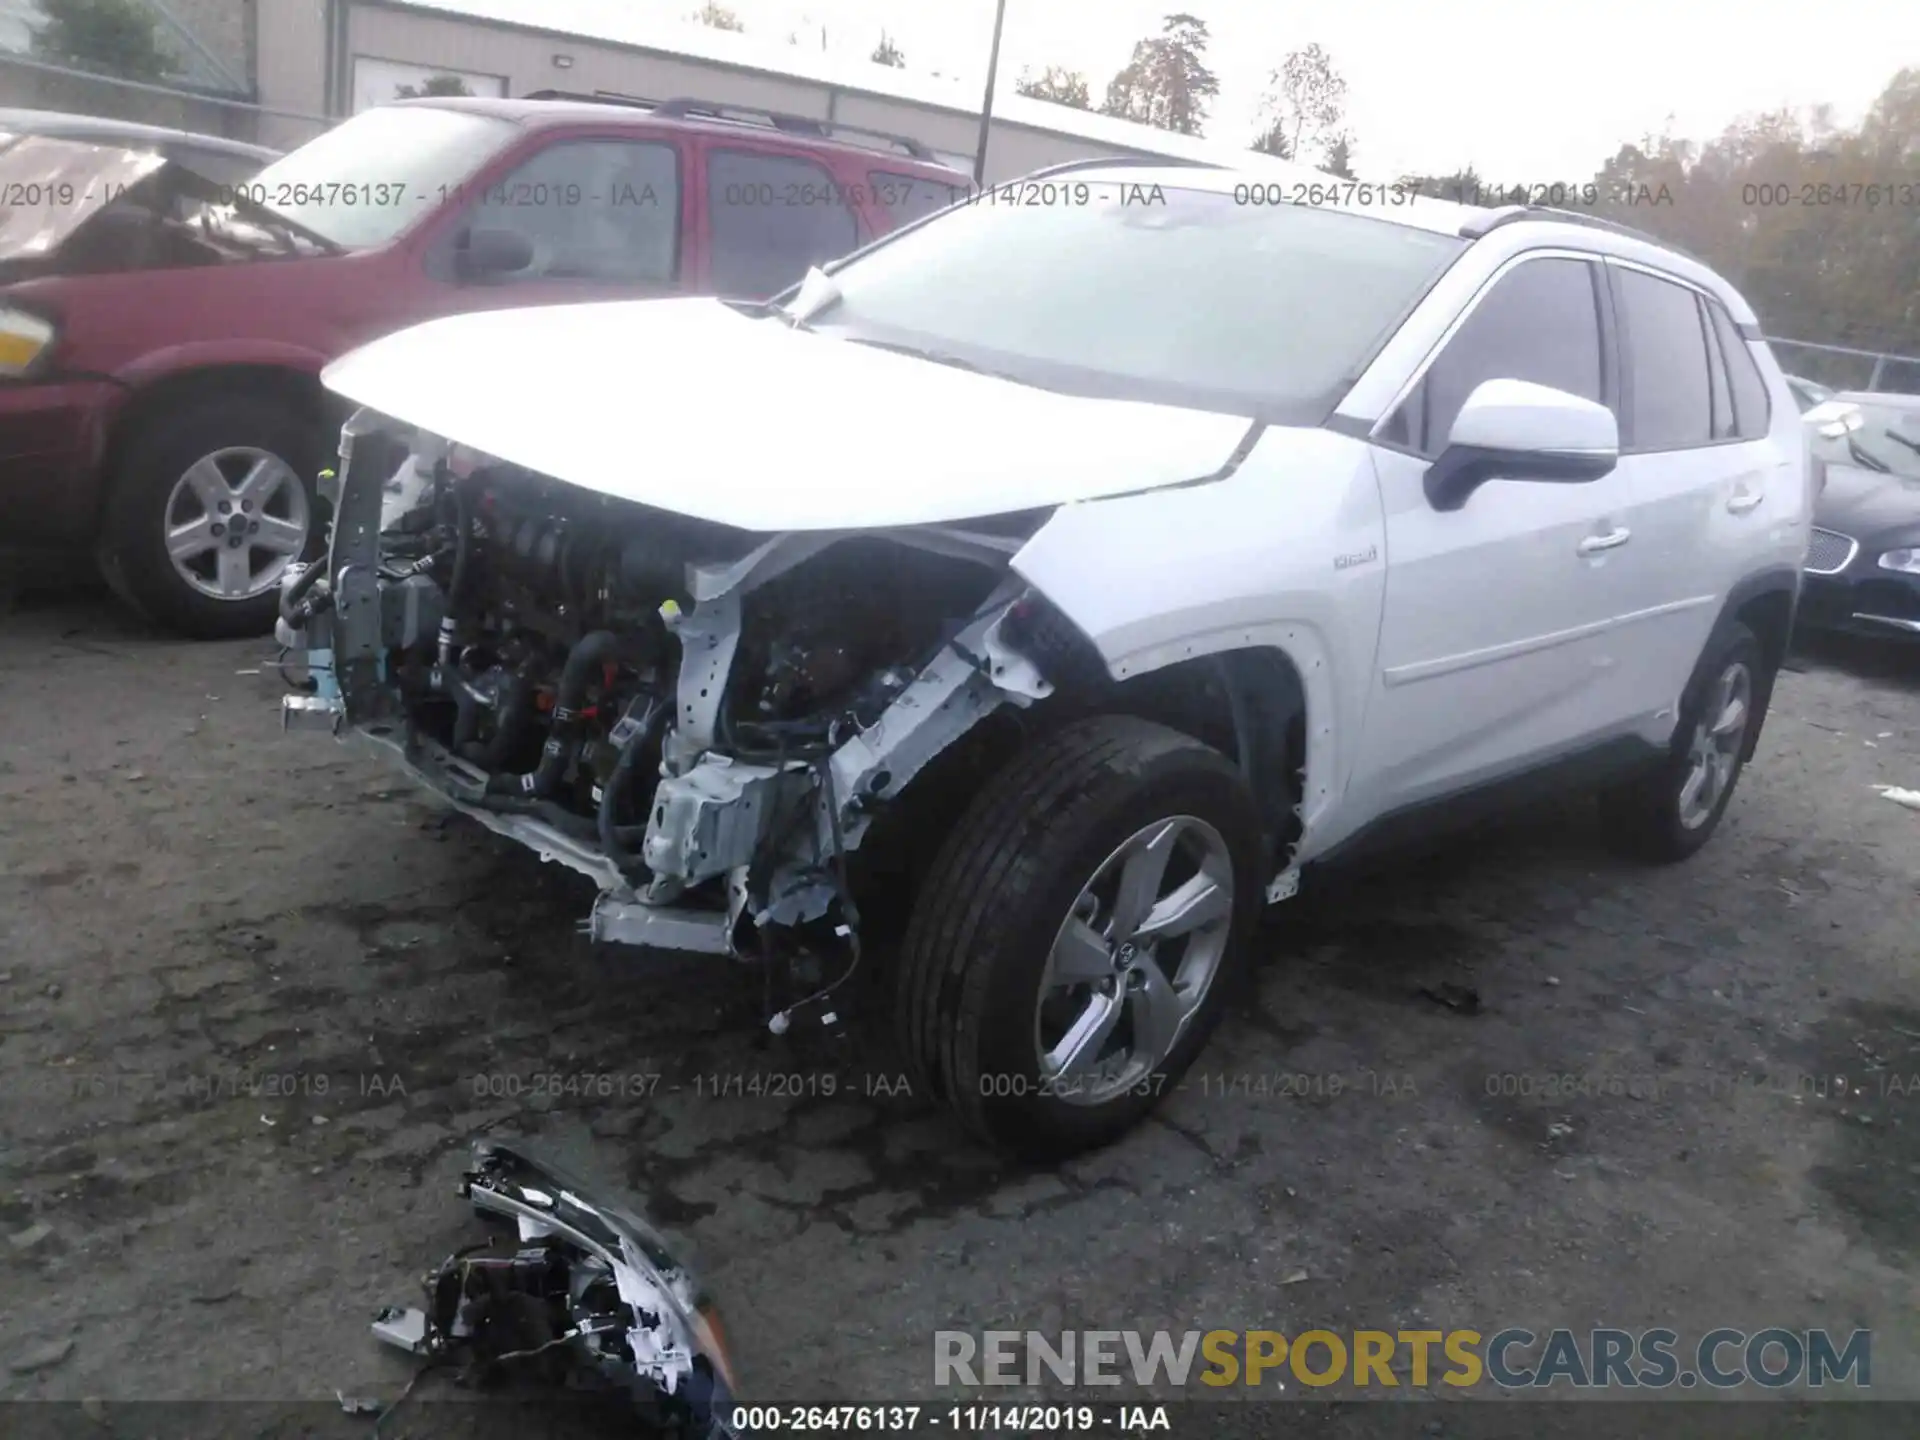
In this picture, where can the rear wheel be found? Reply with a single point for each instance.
(1673, 811)
(1080, 934)
(209, 505)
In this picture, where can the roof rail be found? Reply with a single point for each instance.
(1480, 225)
(577, 96)
(685, 108)
(691, 109)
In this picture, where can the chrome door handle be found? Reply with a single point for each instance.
(1740, 504)
(1594, 544)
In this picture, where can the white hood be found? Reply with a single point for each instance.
(690, 406)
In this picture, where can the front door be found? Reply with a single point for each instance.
(1496, 649)
(602, 216)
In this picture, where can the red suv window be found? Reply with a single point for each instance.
(768, 218)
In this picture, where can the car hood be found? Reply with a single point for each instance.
(1866, 504)
(696, 407)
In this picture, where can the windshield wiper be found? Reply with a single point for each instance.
(244, 204)
(1866, 459)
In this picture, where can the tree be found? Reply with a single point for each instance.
(432, 85)
(113, 37)
(1340, 157)
(1058, 84)
(1273, 141)
(716, 16)
(1166, 83)
(1305, 102)
(888, 53)
(1461, 187)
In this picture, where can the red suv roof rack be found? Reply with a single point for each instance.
(688, 108)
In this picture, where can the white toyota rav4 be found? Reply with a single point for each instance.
(1024, 602)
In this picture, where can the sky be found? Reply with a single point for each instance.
(1528, 91)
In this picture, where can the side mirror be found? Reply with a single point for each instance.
(486, 254)
(1516, 430)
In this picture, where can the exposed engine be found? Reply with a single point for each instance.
(683, 701)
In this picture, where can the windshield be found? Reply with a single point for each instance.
(369, 178)
(1184, 296)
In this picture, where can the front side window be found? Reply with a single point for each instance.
(591, 210)
(1540, 323)
(1669, 391)
(1172, 295)
(770, 217)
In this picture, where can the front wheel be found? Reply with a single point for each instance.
(209, 505)
(1670, 813)
(1079, 935)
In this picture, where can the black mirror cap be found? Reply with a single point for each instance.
(1462, 469)
(483, 253)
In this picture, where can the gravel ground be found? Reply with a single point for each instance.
(257, 995)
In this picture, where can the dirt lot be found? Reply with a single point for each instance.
(258, 997)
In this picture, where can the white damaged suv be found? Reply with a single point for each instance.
(1023, 604)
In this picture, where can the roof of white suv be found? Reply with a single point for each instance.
(1513, 228)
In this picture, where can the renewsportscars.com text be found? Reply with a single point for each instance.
(1512, 1358)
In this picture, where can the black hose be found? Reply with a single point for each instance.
(594, 649)
(462, 546)
(512, 721)
(308, 579)
(625, 860)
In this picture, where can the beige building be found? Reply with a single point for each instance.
(281, 70)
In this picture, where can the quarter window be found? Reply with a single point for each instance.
(769, 218)
(1669, 391)
(1752, 410)
(1540, 323)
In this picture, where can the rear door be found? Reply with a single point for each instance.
(1496, 647)
(767, 214)
(1707, 482)
(605, 215)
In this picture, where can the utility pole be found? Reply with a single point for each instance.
(986, 105)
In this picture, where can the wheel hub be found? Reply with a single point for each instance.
(1713, 752)
(1134, 959)
(234, 521)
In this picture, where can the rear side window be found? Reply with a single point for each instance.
(769, 218)
(906, 198)
(1752, 408)
(1540, 322)
(1669, 392)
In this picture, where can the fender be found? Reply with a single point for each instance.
(158, 365)
(1286, 553)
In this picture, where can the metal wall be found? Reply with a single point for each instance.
(527, 61)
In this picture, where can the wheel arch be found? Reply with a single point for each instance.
(1766, 603)
(1249, 693)
(169, 392)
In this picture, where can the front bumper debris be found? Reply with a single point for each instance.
(586, 1296)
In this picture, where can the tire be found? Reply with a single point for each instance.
(968, 984)
(162, 483)
(1650, 818)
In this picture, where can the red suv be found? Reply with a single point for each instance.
(161, 332)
